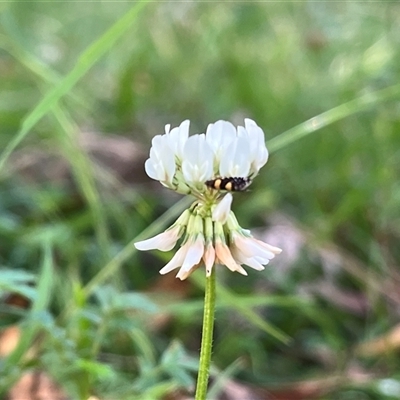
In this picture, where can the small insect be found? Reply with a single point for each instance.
(229, 184)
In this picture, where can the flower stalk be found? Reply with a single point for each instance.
(208, 166)
(207, 338)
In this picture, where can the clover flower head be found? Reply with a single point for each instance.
(209, 166)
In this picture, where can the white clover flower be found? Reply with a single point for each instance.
(207, 166)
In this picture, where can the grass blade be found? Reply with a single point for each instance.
(88, 58)
(329, 117)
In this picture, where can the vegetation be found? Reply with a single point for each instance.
(86, 85)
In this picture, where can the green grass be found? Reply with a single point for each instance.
(321, 79)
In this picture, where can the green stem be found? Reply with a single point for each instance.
(206, 339)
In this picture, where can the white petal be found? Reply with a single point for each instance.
(224, 255)
(250, 124)
(261, 260)
(209, 258)
(176, 261)
(250, 248)
(242, 133)
(158, 144)
(193, 257)
(223, 208)
(164, 241)
(177, 138)
(161, 164)
(252, 262)
(219, 136)
(259, 155)
(150, 169)
(259, 152)
(184, 129)
(235, 160)
(197, 165)
(194, 254)
(168, 162)
(273, 249)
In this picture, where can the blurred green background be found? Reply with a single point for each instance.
(84, 88)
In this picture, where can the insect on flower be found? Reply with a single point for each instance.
(229, 184)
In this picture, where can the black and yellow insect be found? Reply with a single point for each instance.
(229, 184)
